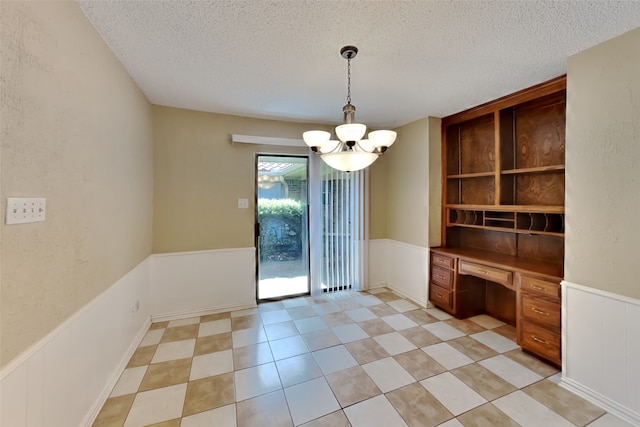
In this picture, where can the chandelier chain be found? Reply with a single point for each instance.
(349, 80)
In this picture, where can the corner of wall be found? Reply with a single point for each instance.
(435, 181)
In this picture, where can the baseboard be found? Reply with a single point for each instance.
(376, 286)
(106, 391)
(422, 304)
(194, 313)
(598, 399)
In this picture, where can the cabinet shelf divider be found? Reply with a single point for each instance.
(539, 169)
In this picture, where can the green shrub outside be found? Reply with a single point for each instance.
(286, 209)
(280, 226)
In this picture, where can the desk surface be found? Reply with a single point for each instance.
(523, 265)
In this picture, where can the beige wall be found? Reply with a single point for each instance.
(199, 176)
(603, 166)
(378, 198)
(76, 130)
(407, 188)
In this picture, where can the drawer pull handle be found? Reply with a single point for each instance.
(483, 272)
(537, 288)
(439, 296)
(440, 276)
(537, 310)
(541, 341)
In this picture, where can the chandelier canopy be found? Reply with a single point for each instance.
(350, 152)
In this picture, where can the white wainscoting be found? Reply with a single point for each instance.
(194, 283)
(64, 379)
(601, 347)
(402, 267)
(378, 274)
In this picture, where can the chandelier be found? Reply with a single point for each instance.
(351, 152)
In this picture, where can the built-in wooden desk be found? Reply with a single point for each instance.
(522, 292)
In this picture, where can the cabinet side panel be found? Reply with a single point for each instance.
(500, 303)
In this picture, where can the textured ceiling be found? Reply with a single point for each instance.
(280, 59)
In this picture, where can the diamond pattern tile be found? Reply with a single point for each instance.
(346, 359)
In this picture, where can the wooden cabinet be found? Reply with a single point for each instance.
(539, 313)
(493, 274)
(504, 173)
(457, 297)
(503, 213)
(442, 281)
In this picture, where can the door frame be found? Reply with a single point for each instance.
(256, 232)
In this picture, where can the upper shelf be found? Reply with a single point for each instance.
(540, 169)
(522, 171)
(470, 175)
(508, 208)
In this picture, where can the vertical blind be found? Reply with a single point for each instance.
(343, 229)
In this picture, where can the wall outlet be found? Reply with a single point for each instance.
(243, 203)
(22, 210)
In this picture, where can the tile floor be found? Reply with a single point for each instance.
(348, 359)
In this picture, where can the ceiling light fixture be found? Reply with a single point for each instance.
(351, 152)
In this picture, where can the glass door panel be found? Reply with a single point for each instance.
(283, 230)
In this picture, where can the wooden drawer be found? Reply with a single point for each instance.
(541, 341)
(490, 273)
(542, 287)
(540, 310)
(442, 277)
(440, 296)
(442, 261)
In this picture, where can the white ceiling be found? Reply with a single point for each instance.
(280, 59)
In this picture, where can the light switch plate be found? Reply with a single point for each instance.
(22, 210)
(243, 203)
